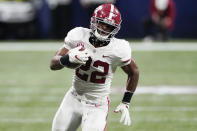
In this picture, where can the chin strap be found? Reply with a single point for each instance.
(96, 42)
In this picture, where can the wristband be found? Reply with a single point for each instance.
(64, 60)
(127, 97)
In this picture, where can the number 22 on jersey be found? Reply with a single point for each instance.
(95, 76)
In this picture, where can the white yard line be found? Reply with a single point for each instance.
(165, 47)
(53, 46)
(160, 90)
(30, 46)
(25, 95)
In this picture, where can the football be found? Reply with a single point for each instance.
(74, 65)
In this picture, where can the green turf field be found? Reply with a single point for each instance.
(30, 92)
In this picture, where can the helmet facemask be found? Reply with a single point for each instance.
(101, 34)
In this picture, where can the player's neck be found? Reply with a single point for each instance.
(97, 43)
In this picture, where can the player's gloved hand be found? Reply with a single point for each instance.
(124, 109)
(78, 55)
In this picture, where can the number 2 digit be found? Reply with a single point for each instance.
(85, 67)
(95, 74)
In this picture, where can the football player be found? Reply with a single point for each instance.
(94, 54)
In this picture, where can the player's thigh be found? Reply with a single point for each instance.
(67, 118)
(95, 120)
(66, 122)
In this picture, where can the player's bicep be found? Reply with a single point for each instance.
(62, 51)
(130, 68)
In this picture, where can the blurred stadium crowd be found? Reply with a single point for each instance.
(52, 19)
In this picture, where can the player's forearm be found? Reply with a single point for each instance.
(55, 63)
(133, 75)
(132, 80)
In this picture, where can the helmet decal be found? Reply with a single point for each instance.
(111, 14)
(97, 9)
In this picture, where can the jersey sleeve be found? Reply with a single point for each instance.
(125, 54)
(73, 36)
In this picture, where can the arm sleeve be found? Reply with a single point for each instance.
(125, 55)
(71, 38)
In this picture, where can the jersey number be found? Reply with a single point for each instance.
(94, 74)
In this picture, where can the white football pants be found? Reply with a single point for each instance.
(74, 111)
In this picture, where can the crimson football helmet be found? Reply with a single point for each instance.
(107, 14)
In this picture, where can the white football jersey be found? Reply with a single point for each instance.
(94, 78)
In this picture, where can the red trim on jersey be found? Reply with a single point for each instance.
(107, 113)
(108, 107)
(105, 127)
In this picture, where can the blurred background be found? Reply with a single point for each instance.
(52, 19)
(31, 31)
